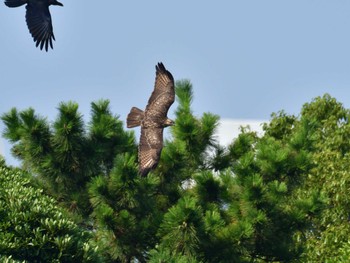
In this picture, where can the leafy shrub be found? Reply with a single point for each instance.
(33, 228)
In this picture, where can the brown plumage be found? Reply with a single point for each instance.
(153, 120)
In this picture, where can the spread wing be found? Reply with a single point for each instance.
(40, 25)
(163, 94)
(15, 3)
(150, 148)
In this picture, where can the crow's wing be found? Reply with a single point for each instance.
(163, 94)
(150, 148)
(15, 3)
(40, 25)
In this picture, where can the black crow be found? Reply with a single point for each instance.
(38, 19)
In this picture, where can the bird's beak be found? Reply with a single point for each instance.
(169, 122)
(58, 3)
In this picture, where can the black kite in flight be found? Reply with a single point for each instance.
(153, 120)
(38, 19)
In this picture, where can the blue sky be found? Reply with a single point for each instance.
(246, 59)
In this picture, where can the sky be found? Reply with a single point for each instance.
(245, 59)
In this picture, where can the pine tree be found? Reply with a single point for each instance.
(129, 209)
(240, 203)
(203, 203)
(64, 156)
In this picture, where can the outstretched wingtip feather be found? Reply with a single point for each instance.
(15, 3)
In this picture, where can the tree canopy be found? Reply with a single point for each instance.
(280, 197)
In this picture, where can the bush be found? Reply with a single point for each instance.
(33, 228)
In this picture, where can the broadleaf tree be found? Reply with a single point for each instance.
(33, 228)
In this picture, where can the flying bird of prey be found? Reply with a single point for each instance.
(153, 120)
(38, 19)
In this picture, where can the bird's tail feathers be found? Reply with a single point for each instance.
(134, 117)
(15, 3)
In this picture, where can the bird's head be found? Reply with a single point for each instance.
(168, 122)
(55, 2)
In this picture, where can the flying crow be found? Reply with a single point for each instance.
(38, 19)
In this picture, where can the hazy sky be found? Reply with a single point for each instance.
(246, 59)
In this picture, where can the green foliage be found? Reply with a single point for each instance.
(328, 240)
(322, 132)
(63, 155)
(195, 135)
(125, 209)
(179, 228)
(281, 197)
(168, 256)
(34, 229)
(249, 209)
